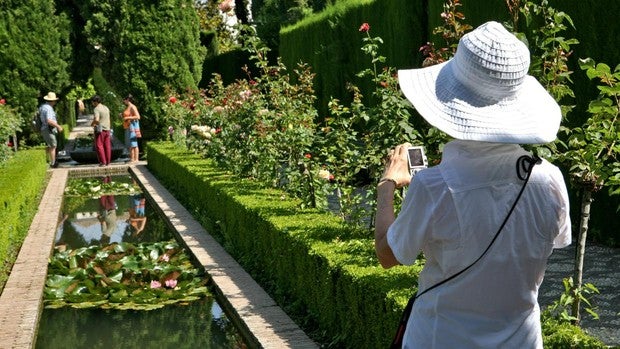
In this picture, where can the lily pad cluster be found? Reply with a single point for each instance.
(123, 276)
(96, 187)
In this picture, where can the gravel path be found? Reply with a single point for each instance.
(601, 268)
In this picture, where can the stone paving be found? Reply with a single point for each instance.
(254, 312)
(601, 268)
(21, 299)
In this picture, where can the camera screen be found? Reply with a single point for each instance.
(415, 157)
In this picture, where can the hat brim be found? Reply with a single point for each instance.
(529, 116)
(50, 99)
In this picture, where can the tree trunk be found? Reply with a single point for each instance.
(580, 252)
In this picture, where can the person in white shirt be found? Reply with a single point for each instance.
(455, 211)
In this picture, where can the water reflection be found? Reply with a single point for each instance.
(199, 324)
(95, 214)
(137, 216)
(109, 218)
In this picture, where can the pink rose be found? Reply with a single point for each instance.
(171, 283)
(364, 28)
(155, 284)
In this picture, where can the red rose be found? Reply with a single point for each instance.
(308, 156)
(172, 99)
(2, 101)
(365, 27)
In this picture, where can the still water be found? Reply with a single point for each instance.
(91, 219)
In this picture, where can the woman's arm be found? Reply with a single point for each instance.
(396, 175)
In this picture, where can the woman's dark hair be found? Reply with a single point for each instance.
(129, 98)
(96, 99)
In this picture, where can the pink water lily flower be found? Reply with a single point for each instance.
(171, 283)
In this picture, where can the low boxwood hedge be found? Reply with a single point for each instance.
(22, 180)
(323, 273)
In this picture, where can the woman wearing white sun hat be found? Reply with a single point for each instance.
(467, 214)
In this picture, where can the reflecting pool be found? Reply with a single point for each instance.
(119, 255)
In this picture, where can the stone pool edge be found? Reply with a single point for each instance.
(254, 312)
(262, 321)
(21, 302)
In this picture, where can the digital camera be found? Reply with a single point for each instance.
(417, 159)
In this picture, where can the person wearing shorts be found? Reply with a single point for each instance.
(50, 127)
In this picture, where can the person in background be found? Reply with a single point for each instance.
(137, 215)
(102, 126)
(462, 214)
(50, 126)
(131, 124)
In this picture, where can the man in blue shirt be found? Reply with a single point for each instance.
(50, 126)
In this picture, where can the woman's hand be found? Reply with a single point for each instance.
(397, 167)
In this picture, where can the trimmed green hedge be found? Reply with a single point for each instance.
(229, 65)
(330, 42)
(325, 275)
(22, 180)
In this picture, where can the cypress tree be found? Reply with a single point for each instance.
(34, 52)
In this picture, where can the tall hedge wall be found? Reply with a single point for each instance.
(330, 42)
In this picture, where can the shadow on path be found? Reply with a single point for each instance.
(601, 268)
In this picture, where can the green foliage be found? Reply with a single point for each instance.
(275, 14)
(26, 171)
(138, 55)
(35, 53)
(10, 123)
(123, 276)
(560, 310)
(96, 188)
(592, 149)
(261, 127)
(560, 335)
(229, 66)
(212, 21)
(451, 31)
(329, 43)
(323, 273)
(109, 95)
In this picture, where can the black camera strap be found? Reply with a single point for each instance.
(525, 164)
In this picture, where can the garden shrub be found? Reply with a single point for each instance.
(26, 171)
(324, 274)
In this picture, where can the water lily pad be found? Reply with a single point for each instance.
(123, 276)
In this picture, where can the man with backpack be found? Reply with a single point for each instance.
(50, 126)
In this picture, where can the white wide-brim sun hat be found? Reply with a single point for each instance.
(484, 93)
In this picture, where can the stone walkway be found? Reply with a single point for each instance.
(259, 318)
(601, 268)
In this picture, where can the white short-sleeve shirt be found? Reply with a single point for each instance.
(451, 212)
